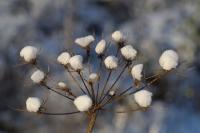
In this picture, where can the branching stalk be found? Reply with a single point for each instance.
(92, 119)
(115, 82)
(76, 82)
(98, 85)
(79, 73)
(110, 72)
(68, 113)
(49, 88)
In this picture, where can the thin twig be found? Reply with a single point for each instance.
(100, 64)
(75, 80)
(93, 94)
(79, 73)
(68, 113)
(115, 81)
(109, 74)
(120, 96)
(122, 111)
(49, 88)
(91, 84)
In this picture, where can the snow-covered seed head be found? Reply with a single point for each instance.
(128, 52)
(143, 98)
(84, 42)
(62, 85)
(33, 104)
(101, 46)
(111, 62)
(117, 36)
(29, 54)
(136, 71)
(38, 76)
(76, 62)
(93, 77)
(83, 103)
(63, 58)
(168, 60)
(112, 93)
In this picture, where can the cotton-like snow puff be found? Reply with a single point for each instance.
(63, 58)
(101, 46)
(168, 60)
(112, 93)
(84, 42)
(83, 103)
(117, 36)
(93, 77)
(62, 85)
(143, 98)
(29, 54)
(111, 62)
(33, 104)
(76, 62)
(38, 76)
(137, 71)
(128, 52)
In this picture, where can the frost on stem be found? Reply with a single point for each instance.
(29, 54)
(33, 104)
(38, 76)
(143, 98)
(84, 42)
(136, 71)
(83, 103)
(111, 62)
(76, 62)
(118, 37)
(168, 60)
(100, 48)
(128, 52)
(64, 58)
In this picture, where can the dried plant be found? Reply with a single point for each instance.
(97, 88)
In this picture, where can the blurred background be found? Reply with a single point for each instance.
(150, 25)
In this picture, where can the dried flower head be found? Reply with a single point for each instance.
(33, 104)
(76, 62)
(143, 98)
(29, 53)
(38, 76)
(62, 85)
(93, 77)
(83, 103)
(64, 58)
(84, 42)
(111, 62)
(128, 52)
(136, 71)
(100, 48)
(112, 93)
(168, 60)
(117, 36)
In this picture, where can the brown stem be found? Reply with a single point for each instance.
(92, 119)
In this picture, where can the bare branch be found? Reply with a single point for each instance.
(49, 88)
